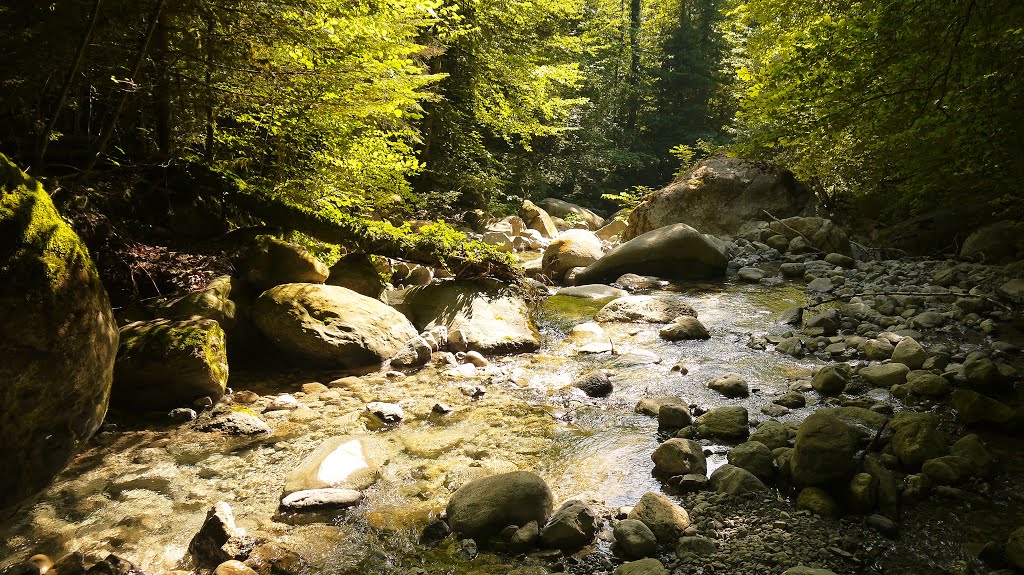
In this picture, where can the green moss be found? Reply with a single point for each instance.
(163, 338)
(46, 245)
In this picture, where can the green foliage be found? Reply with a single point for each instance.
(630, 198)
(921, 99)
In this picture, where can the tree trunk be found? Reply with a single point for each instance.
(633, 82)
(86, 36)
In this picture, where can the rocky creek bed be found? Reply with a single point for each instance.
(143, 493)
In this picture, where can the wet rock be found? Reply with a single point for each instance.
(571, 249)
(909, 353)
(927, 384)
(649, 566)
(841, 260)
(652, 405)
(679, 457)
(695, 547)
(233, 567)
(662, 516)
(883, 525)
(735, 481)
(974, 451)
(885, 375)
(727, 422)
(219, 539)
(182, 415)
(634, 539)
(491, 318)
(113, 565)
(792, 400)
(793, 269)
(592, 291)
(677, 252)
(793, 346)
(947, 470)
(594, 383)
(824, 450)
(387, 413)
(792, 316)
(683, 328)
(731, 385)
(771, 434)
(634, 282)
(916, 438)
(750, 274)
(822, 285)
(341, 462)
(571, 527)
(982, 373)
(818, 501)
(862, 493)
(414, 353)
(690, 482)
(878, 349)
(754, 457)
(236, 421)
(645, 308)
(487, 505)
(273, 559)
(674, 416)
(827, 322)
(329, 498)
(831, 379)
(331, 325)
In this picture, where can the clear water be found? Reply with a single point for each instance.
(142, 493)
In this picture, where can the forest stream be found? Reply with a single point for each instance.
(143, 493)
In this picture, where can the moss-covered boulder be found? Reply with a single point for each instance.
(225, 300)
(331, 325)
(163, 364)
(357, 273)
(270, 262)
(58, 339)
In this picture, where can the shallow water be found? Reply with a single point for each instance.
(143, 493)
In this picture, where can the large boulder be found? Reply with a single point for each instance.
(487, 505)
(822, 234)
(1015, 548)
(569, 211)
(916, 438)
(676, 252)
(1001, 242)
(58, 339)
(571, 249)
(537, 219)
(357, 273)
(331, 325)
(571, 527)
(720, 194)
(662, 516)
(494, 318)
(645, 308)
(725, 422)
(163, 364)
(824, 450)
(225, 300)
(270, 262)
(735, 481)
(679, 457)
